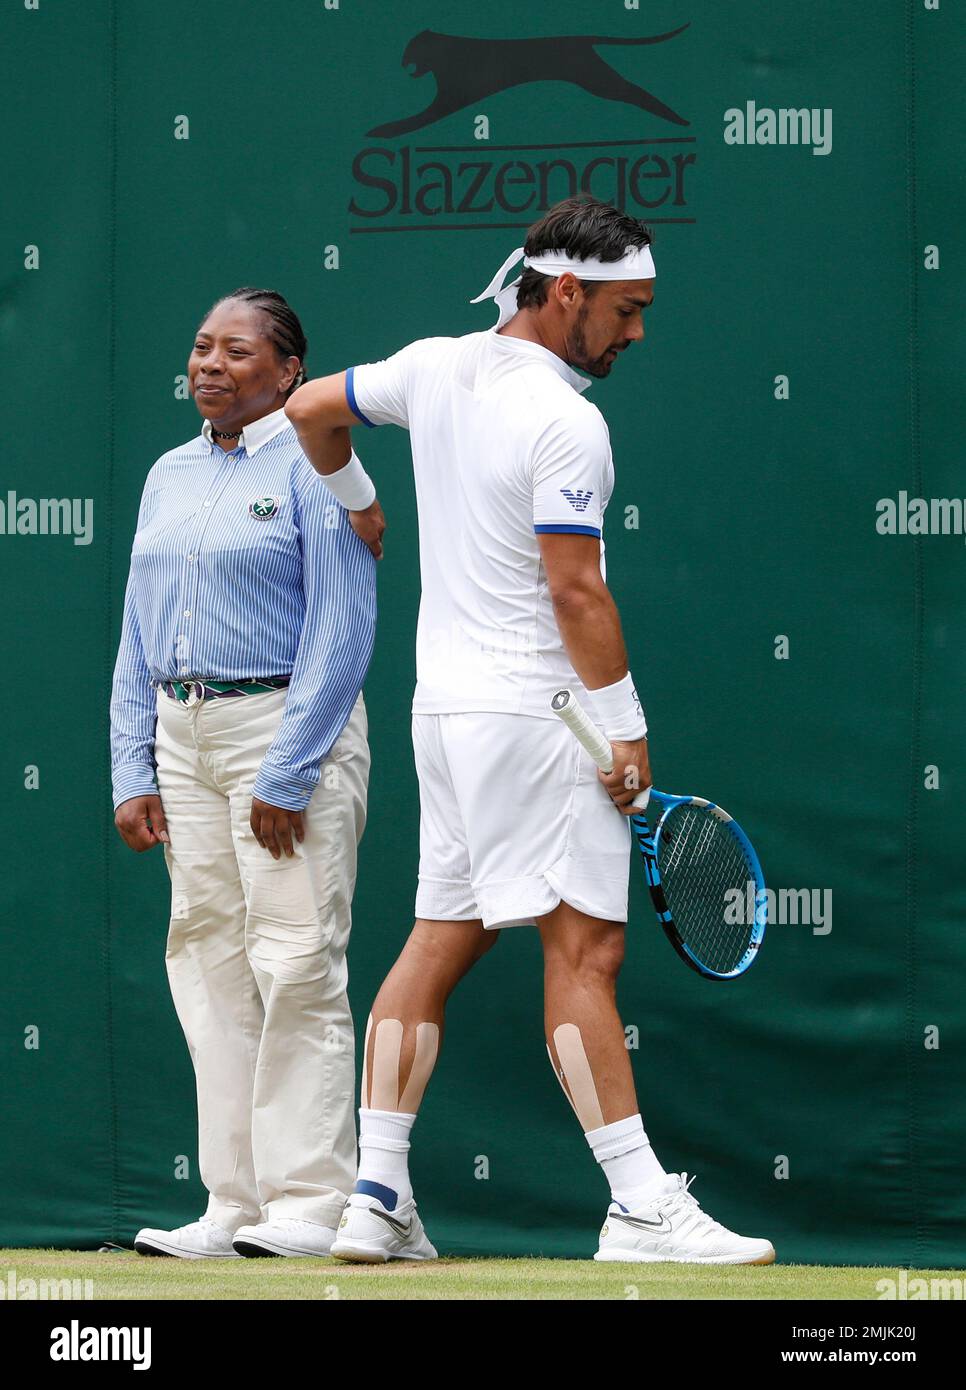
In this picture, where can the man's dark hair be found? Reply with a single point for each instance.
(582, 226)
(282, 325)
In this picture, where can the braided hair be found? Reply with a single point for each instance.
(283, 327)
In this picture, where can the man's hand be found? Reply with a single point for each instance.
(631, 774)
(369, 526)
(274, 826)
(141, 823)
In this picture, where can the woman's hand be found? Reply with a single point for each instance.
(141, 823)
(369, 526)
(274, 826)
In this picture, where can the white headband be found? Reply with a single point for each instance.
(635, 264)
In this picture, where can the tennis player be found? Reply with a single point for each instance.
(513, 471)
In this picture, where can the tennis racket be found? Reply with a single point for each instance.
(702, 871)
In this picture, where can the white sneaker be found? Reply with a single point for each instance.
(201, 1240)
(673, 1227)
(368, 1233)
(286, 1236)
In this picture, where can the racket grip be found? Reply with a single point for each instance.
(568, 708)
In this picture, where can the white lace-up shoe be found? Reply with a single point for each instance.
(286, 1236)
(673, 1227)
(368, 1233)
(201, 1240)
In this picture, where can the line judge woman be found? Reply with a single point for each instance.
(248, 626)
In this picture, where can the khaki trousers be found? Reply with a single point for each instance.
(256, 960)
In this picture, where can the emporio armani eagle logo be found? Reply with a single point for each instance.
(468, 71)
(578, 500)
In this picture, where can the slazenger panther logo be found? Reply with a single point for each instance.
(468, 71)
(263, 507)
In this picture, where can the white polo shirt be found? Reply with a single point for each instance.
(504, 446)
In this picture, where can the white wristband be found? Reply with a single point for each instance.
(351, 485)
(618, 711)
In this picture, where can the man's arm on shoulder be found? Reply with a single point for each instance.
(323, 412)
(373, 393)
(322, 416)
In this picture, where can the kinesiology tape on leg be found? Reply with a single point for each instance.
(424, 1060)
(576, 1077)
(383, 1089)
(364, 1092)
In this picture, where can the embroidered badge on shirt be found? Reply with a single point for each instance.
(263, 508)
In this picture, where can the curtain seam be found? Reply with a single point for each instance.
(108, 932)
(913, 1038)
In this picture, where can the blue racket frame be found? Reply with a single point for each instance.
(649, 842)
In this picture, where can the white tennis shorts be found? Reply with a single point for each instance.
(513, 820)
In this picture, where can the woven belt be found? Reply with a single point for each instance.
(190, 692)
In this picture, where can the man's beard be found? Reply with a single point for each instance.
(577, 349)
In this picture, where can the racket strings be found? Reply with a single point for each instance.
(701, 863)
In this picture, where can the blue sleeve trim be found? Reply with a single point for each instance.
(350, 395)
(561, 528)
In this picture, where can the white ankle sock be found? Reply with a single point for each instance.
(630, 1165)
(384, 1156)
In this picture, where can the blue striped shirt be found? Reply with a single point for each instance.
(244, 565)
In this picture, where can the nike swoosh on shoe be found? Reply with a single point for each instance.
(658, 1227)
(402, 1229)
